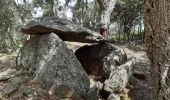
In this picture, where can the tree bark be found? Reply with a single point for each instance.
(106, 7)
(126, 31)
(55, 8)
(157, 39)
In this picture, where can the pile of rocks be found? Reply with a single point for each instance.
(98, 71)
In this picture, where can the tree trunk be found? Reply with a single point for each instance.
(119, 31)
(55, 8)
(157, 41)
(51, 8)
(106, 7)
(126, 31)
(76, 12)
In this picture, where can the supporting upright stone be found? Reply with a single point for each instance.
(47, 60)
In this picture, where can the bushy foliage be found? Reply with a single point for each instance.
(128, 13)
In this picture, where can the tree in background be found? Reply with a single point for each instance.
(12, 17)
(157, 41)
(128, 14)
(50, 7)
(86, 13)
(55, 7)
(106, 8)
(46, 5)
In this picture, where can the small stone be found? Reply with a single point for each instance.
(7, 90)
(113, 97)
(17, 80)
(7, 74)
(26, 91)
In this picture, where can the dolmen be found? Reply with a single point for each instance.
(89, 73)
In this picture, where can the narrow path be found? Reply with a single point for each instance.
(139, 55)
(141, 79)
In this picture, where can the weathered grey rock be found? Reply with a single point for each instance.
(119, 78)
(49, 62)
(113, 97)
(100, 59)
(93, 93)
(17, 80)
(7, 74)
(66, 30)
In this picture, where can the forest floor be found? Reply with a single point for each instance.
(140, 86)
(141, 80)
